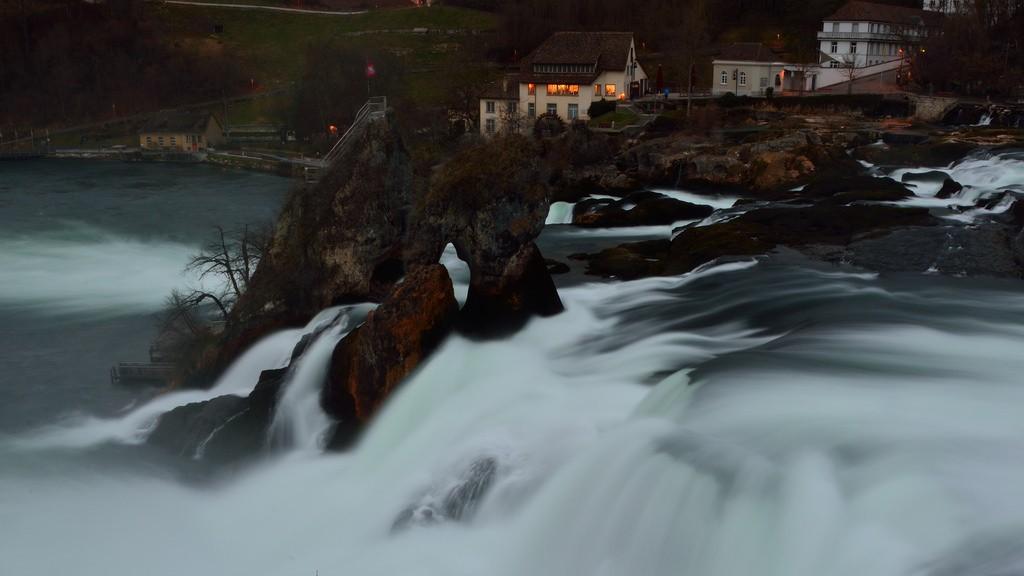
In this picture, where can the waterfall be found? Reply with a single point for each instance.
(299, 421)
(560, 213)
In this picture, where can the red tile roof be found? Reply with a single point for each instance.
(858, 10)
(748, 52)
(609, 50)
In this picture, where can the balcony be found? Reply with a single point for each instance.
(866, 36)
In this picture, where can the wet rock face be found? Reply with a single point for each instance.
(224, 430)
(454, 502)
(843, 189)
(372, 360)
(490, 202)
(342, 240)
(639, 209)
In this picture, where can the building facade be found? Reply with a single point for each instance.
(747, 69)
(563, 77)
(864, 34)
(181, 132)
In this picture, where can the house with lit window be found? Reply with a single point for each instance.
(564, 76)
(181, 132)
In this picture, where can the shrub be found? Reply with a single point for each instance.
(601, 107)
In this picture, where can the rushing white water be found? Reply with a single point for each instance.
(803, 422)
(985, 120)
(983, 176)
(560, 213)
(299, 421)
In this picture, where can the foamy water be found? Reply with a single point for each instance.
(742, 419)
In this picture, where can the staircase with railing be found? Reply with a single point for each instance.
(374, 109)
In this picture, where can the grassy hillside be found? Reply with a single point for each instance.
(269, 44)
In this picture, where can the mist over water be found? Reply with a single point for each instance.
(89, 250)
(770, 416)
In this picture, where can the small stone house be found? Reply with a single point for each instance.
(181, 132)
(748, 69)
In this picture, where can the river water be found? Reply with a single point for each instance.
(761, 416)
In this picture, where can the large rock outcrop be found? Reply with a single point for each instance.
(372, 360)
(490, 201)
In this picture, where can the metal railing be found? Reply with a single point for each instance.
(374, 109)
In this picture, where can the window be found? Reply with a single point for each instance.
(724, 78)
(531, 88)
(160, 140)
(609, 90)
(174, 140)
(512, 108)
(853, 47)
(743, 78)
(597, 89)
(834, 48)
(491, 125)
(553, 109)
(833, 64)
(563, 90)
(490, 106)
(835, 26)
(531, 110)
(856, 27)
(149, 140)
(574, 111)
(764, 81)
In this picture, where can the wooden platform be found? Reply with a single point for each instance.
(141, 373)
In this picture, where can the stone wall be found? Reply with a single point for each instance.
(932, 108)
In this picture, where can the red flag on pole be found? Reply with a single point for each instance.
(371, 72)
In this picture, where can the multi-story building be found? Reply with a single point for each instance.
(563, 77)
(864, 34)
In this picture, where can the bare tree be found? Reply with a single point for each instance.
(850, 71)
(511, 119)
(232, 259)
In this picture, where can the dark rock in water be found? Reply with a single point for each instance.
(949, 188)
(369, 363)
(844, 189)
(760, 230)
(500, 303)
(753, 233)
(640, 209)
(630, 261)
(932, 153)
(1015, 215)
(490, 202)
(905, 137)
(984, 249)
(931, 176)
(456, 504)
(224, 430)
(556, 267)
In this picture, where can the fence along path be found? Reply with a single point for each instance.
(374, 109)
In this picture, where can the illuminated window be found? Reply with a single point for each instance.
(531, 88)
(609, 90)
(597, 89)
(563, 89)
